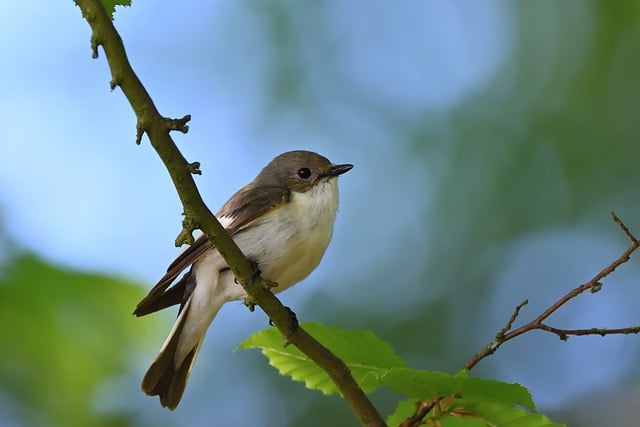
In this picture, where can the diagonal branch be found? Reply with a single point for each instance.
(198, 216)
(594, 285)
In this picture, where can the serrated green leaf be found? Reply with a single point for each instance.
(478, 414)
(403, 410)
(426, 385)
(367, 356)
(110, 5)
(487, 414)
(464, 422)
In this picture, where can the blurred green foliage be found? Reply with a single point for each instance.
(64, 332)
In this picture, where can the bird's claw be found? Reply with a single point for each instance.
(292, 328)
(255, 273)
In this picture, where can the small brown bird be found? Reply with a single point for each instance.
(282, 220)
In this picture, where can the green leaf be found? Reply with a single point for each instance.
(402, 412)
(110, 5)
(478, 414)
(367, 356)
(487, 414)
(425, 385)
(64, 332)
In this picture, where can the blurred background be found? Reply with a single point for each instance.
(490, 141)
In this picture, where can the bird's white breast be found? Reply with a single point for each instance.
(289, 241)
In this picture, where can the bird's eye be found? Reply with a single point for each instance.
(304, 173)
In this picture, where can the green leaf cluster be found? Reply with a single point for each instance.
(460, 399)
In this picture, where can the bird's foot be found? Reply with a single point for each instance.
(292, 328)
(255, 273)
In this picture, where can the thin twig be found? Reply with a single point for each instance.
(564, 334)
(593, 285)
(422, 410)
(516, 312)
(625, 229)
(505, 334)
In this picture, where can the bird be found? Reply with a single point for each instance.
(282, 221)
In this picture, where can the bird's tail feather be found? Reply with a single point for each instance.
(163, 378)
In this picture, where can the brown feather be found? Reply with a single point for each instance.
(161, 295)
(165, 380)
(249, 204)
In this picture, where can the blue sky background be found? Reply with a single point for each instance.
(55, 98)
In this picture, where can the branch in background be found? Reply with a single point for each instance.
(198, 216)
(423, 409)
(594, 285)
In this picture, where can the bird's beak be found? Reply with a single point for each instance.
(336, 170)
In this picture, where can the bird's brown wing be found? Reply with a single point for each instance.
(250, 203)
(237, 207)
(159, 296)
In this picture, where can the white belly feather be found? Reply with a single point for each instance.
(289, 242)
